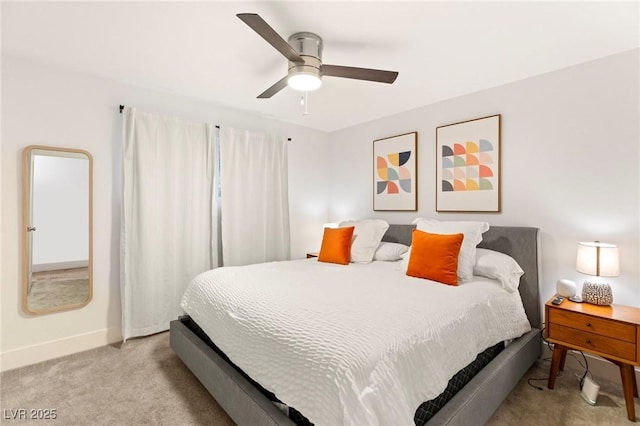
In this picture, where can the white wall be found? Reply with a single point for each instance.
(570, 161)
(44, 105)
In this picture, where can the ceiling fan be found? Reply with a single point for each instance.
(304, 52)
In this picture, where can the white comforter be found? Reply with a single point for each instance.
(352, 345)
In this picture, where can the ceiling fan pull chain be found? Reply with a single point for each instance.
(305, 101)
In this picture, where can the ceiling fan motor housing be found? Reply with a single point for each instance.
(309, 47)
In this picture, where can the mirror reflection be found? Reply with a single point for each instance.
(57, 229)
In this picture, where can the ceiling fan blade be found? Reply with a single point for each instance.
(379, 76)
(281, 84)
(263, 29)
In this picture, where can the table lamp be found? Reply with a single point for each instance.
(599, 260)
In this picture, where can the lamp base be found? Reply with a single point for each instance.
(597, 293)
(576, 299)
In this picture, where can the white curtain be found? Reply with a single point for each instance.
(168, 233)
(254, 197)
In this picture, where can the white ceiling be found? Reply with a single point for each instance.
(202, 50)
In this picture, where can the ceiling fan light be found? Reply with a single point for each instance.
(304, 82)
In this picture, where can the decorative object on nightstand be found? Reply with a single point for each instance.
(611, 332)
(566, 288)
(600, 260)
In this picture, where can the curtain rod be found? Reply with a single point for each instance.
(217, 127)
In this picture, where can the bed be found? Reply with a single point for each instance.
(245, 401)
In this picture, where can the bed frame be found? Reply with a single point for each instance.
(473, 404)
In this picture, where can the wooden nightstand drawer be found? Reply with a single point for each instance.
(593, 342)
(592, 324)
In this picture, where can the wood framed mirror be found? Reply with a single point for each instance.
(57, 209)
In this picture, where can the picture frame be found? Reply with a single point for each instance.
(468, 166)
(395, 173)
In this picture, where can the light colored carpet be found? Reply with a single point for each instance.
(141, 382)
(563, 405)
(144, 382)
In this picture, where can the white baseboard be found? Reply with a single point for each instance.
(56, 348)
(599, 368)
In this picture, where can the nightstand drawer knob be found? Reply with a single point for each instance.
(588, 324)
(588, 340)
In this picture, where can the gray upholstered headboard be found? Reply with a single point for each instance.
(519, 242)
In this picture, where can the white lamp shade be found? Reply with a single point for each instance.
(598, 259)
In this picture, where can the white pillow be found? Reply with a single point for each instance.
(404, 262)
(498, 266)
(472, 236)
(366, 238)
(390, 251)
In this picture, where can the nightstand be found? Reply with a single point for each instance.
(310, 255)
(611, 332)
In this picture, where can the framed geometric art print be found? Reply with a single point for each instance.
(468, 166)
(395, 173)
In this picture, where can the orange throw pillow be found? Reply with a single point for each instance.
(336, 245)
(435, 257)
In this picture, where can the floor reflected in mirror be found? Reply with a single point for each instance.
(50, 289)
